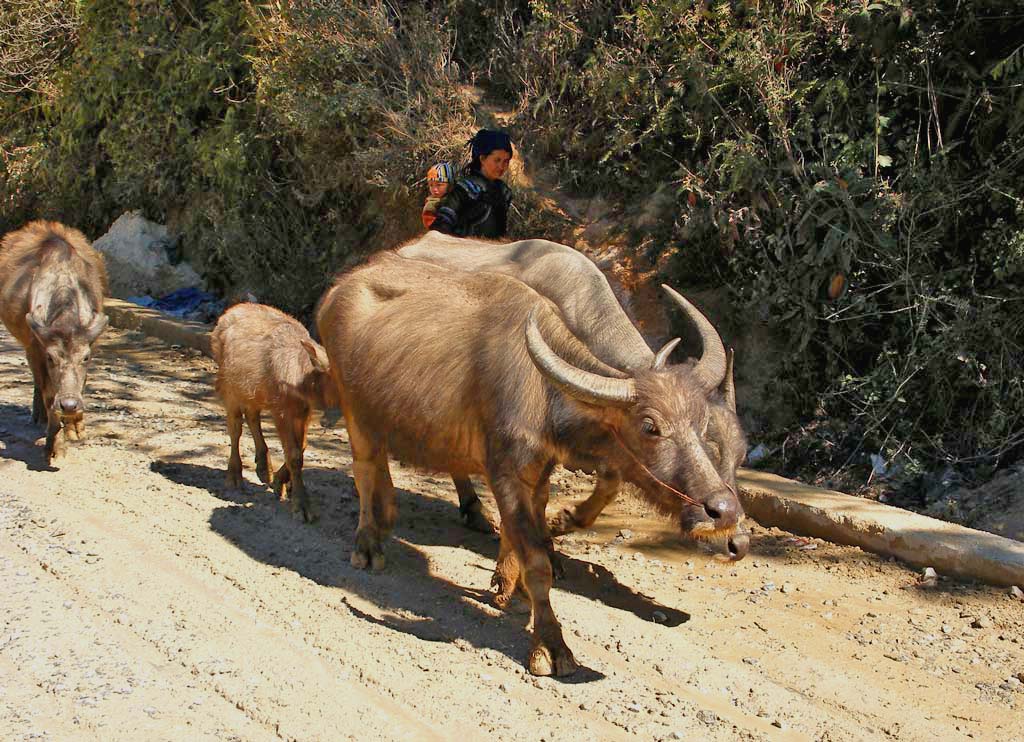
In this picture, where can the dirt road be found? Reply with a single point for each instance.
(142, 602)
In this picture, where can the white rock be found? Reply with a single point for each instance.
(136, 257)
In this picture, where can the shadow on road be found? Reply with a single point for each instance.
(18, 434)
(413, 599)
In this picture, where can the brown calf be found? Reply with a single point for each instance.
(267, 360)
(52, 284)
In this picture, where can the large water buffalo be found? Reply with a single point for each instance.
(591, 311)
(477, 373)
(52, 284)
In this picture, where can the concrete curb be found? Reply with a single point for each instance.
(881, 529)
(769, 499)
(171, 330)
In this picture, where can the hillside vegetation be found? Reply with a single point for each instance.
(851, 172)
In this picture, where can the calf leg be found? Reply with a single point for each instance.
(233, 479)
(377, 507)
(470, 507)
(527, 538)
(292, 433)
(263, 466)
(583, 514)
(282, 479)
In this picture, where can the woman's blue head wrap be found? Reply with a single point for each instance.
(487, 140)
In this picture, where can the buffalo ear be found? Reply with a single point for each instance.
(317, 355)
(41, 331)
(98, 325)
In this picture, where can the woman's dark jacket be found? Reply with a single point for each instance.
(475, 207)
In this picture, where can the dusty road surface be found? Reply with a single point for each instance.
(140, 601)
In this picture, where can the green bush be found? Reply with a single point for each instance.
(281, 140)
(853, 172)
(809, 144)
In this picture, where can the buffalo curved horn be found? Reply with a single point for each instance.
(710, 369)
(38, 327)
(728, 388)
(662, 358)
(96, 327)
(583, 385)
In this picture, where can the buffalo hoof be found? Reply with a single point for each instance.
(506, 588)
(475, 520)
(263, 472)
(305, 507)
(547, 661)
(507, 602)
(557, 567)
(71, 431)
(503, 594)
(362, 560)
(737, 546)
(367, 552)
(233, 480)
(281, 478)
(55, 449)
(563, 523)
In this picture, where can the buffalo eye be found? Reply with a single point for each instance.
(648, 427)
(86, 357)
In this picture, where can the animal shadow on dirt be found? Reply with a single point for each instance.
(441, 611)
(428, 521)
(18, 434)
(583, 578)
(265, 531)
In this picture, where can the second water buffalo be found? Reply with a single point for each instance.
(589, 308)
(266, 360)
